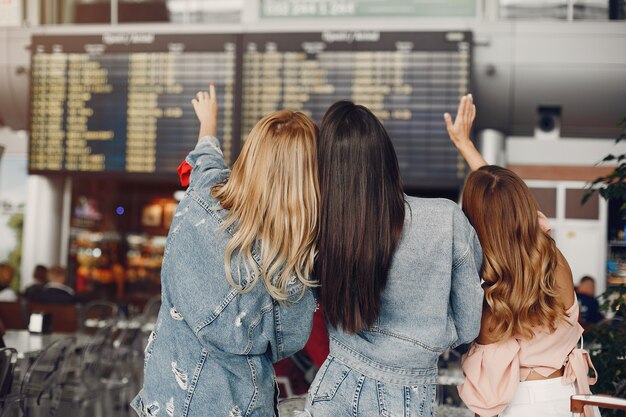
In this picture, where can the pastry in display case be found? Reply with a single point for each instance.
(98, 269)
(157, 215)
(144, 258)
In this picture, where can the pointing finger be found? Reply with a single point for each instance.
(212, 94)
(448, 120)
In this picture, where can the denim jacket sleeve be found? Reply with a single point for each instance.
(466, 296)
(206, 162)
(294, 321)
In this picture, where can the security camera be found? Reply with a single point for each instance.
(548, 125)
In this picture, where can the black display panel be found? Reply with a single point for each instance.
(120, 103)
(407, 79)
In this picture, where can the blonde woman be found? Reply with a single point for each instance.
(525, 361)
(236, 274)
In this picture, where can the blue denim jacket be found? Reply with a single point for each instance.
(432, 302)
(212, 348)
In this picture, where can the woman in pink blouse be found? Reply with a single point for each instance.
(525, 361)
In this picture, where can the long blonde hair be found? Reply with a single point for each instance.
(519, 258)
(272, 197)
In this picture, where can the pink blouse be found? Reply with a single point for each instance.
(493, 372)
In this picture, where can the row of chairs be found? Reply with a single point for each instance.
(92, 376)
(68, 318)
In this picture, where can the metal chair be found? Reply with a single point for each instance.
(41, 388)
(291, 406)
(98, 314)
(81, 396)
(116, 369)
(150, 313)
(102, 383)
(8, 357)
(452, 411)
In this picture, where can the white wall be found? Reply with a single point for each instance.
(13, 179)
(43, 225)
(15, 143)
(11, 13)
(568, 152)
(583, 242)
(45, 213)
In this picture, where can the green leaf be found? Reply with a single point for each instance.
(603, 192)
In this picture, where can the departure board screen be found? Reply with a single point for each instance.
(121, 102)
(407, 79)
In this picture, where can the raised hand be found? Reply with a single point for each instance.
(459, 129)
(205, 106)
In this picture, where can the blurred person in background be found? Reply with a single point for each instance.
(589, 307)
(56, 290)
(40, 278)
(7, 274)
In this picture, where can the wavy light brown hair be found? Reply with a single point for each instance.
(272, 197)
(519, 258)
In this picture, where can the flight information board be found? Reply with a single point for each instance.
(121, 102)
(407, 79)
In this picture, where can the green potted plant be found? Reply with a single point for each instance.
(608, 338)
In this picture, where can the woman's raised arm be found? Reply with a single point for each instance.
(459, 131)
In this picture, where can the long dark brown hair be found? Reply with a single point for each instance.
(519, 258)
(361, 215)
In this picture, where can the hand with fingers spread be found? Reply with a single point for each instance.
(205, 106)
(459, 131)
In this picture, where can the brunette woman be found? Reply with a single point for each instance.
(399, 276)
(525, 361)
(236, 273)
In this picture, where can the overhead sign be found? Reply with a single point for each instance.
(367, 8)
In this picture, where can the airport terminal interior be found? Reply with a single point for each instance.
(96, 118)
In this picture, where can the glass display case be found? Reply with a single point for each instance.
(144, 257)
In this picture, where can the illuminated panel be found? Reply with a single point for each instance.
(121, 102)
(407, 79)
